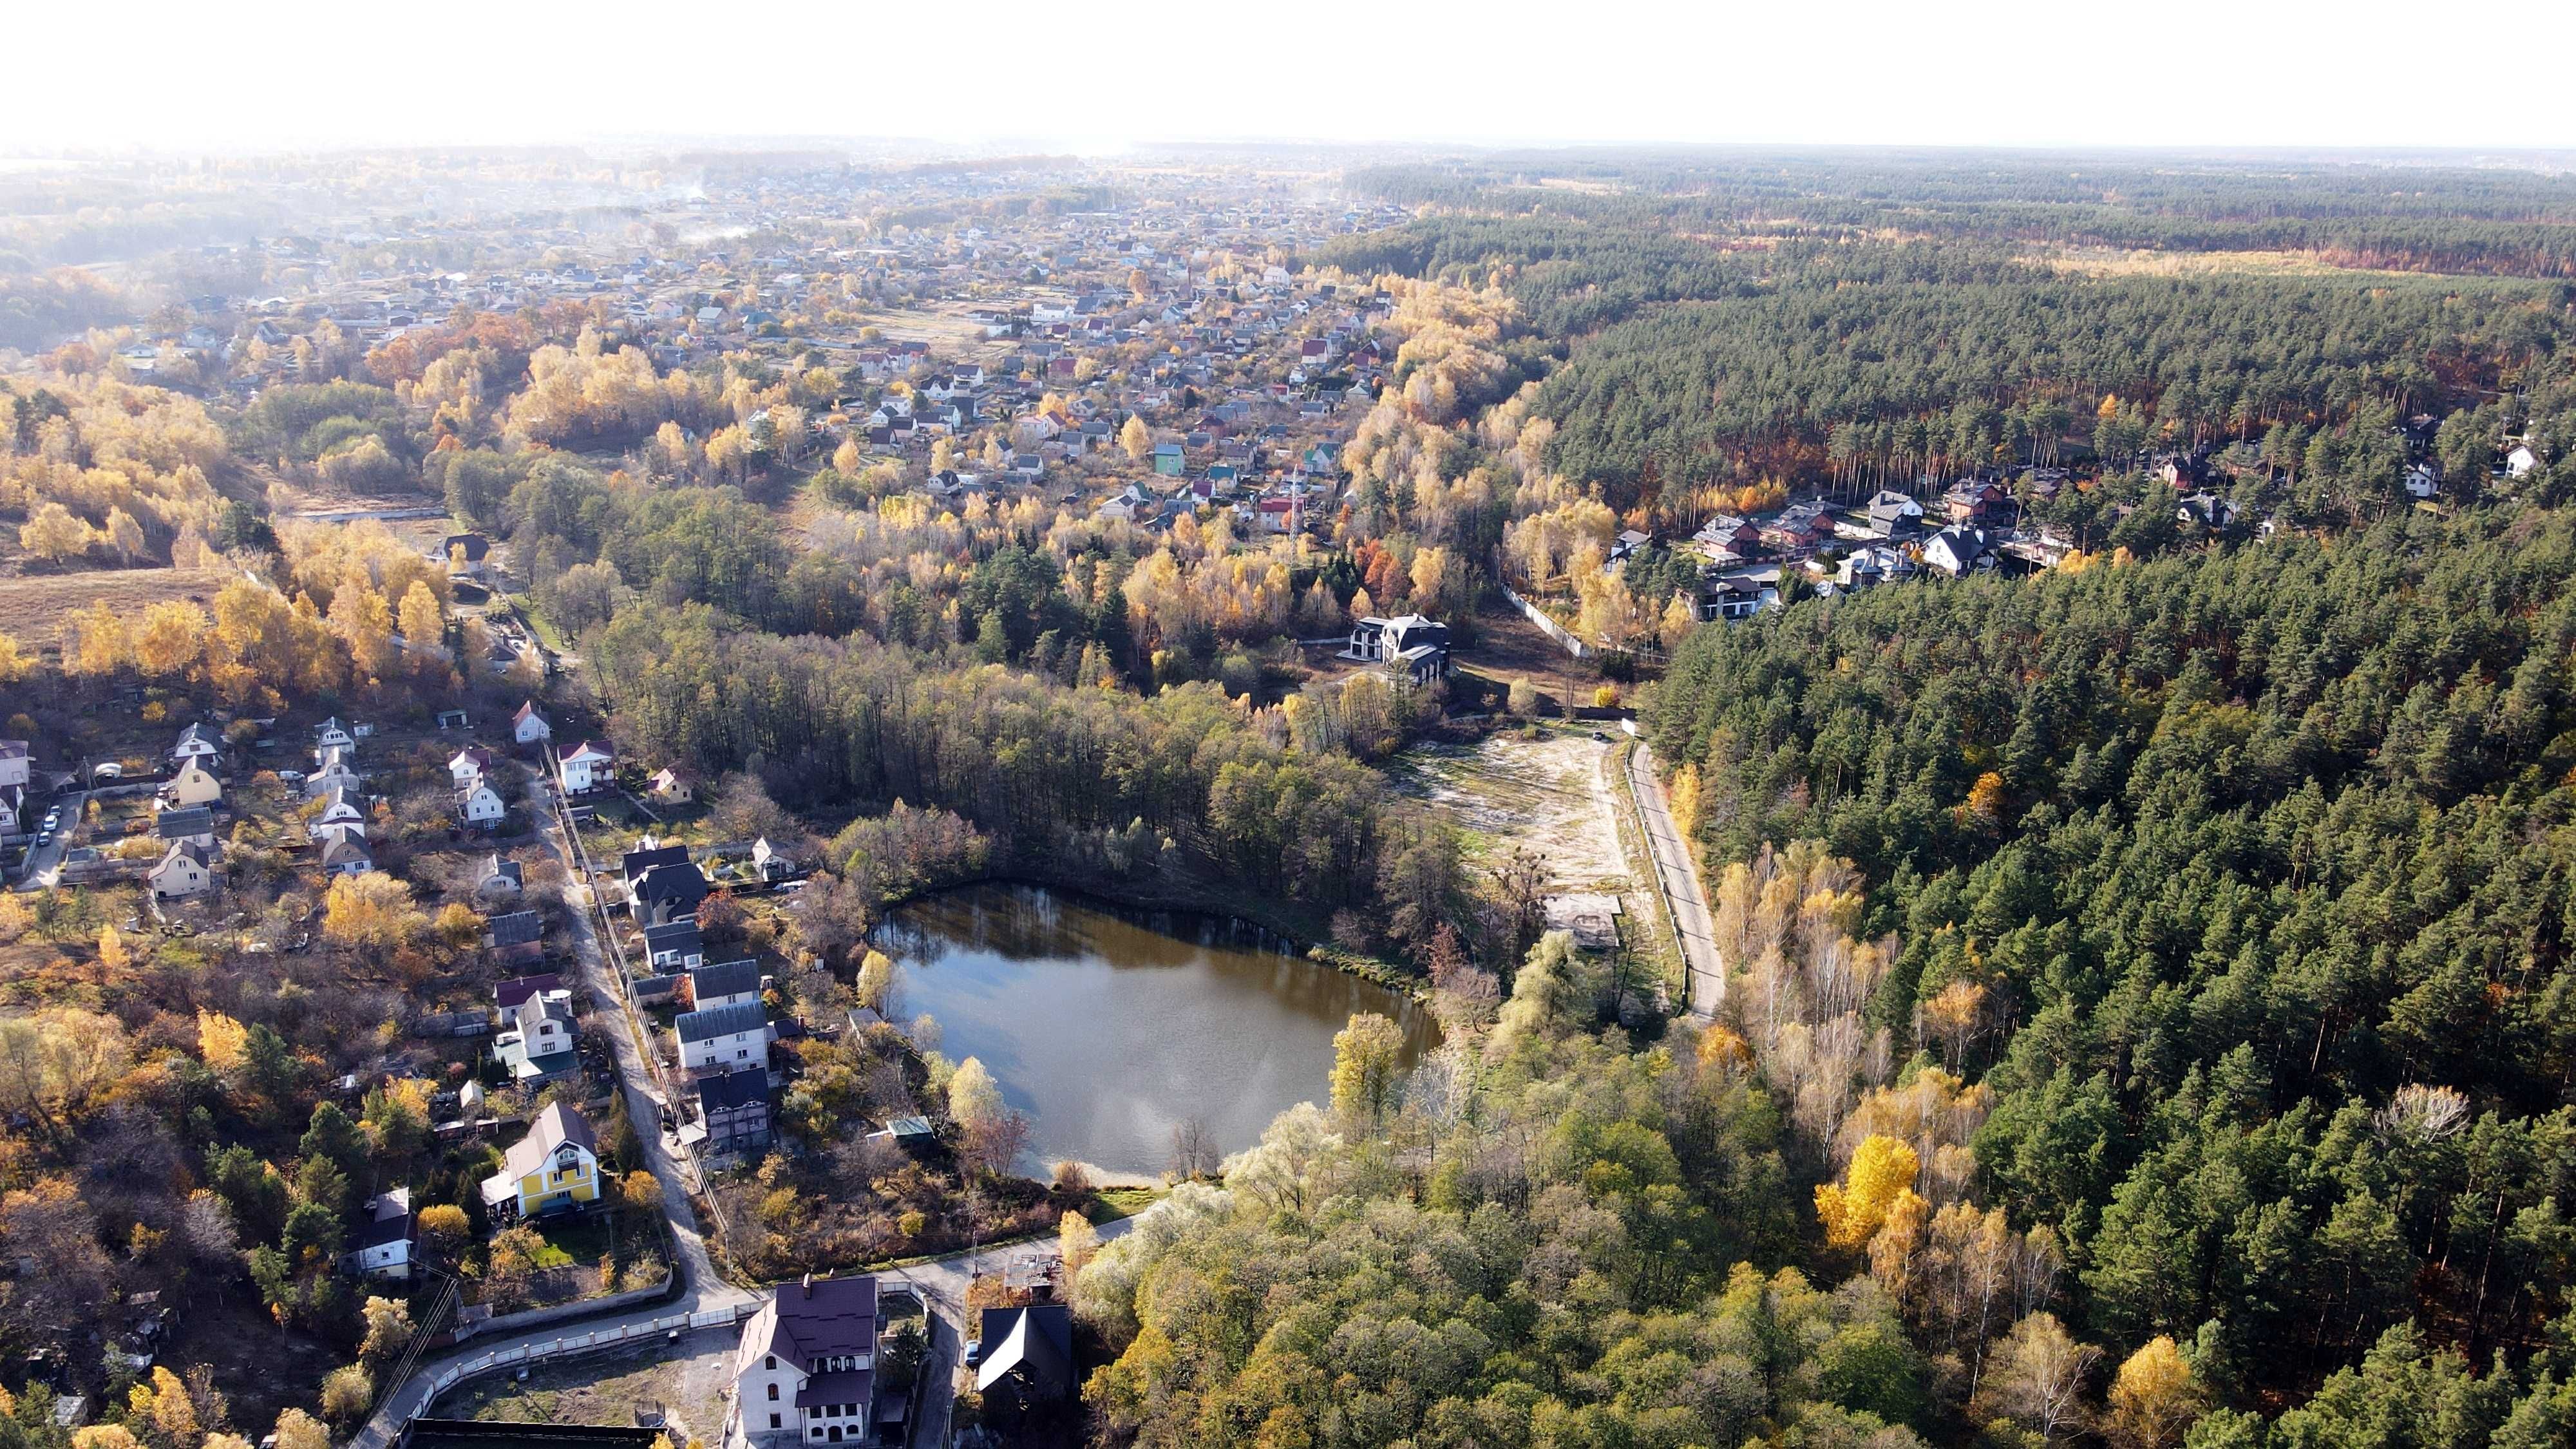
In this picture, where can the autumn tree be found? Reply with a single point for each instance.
(2037, 1379)
(371, 910)
(1368, 1058)
(55, 533)
(1881, 1173)
(2153, 1397)
(1136, 438)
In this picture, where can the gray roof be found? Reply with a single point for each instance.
(180, 824)
(730, 978)
(721, 1021)
(519, 928)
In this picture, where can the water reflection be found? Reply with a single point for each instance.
(1112, 1029)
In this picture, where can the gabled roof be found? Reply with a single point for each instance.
(721, 1021)
(730, 978)
(810, 1319)
(1035, 1342)
(518, 928)
(180, 824)
(508, 994)
(555, 1126)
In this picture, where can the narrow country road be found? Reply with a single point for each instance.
(1681, 887)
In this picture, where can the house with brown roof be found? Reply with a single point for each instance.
(805, 1372)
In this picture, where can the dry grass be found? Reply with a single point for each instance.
(2114, 262)
(32, 608)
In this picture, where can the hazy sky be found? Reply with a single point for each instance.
(1072, 75)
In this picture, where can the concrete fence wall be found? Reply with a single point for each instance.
(1547, 626)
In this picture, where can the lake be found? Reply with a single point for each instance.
(1110, 1028)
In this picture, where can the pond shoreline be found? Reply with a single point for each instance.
(1375, 970)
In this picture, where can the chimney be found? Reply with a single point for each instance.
(809, 1285)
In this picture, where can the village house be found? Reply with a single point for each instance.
(724, 1039)
(672, 787)
(1894, 515)
(733, 1113)
(674, 947)
(347, 854)
(727, 983)
(502, 880)
(336, 772)
(586, 767)
(198, 743)
(805, 1370)
(186, 869)
(1956, 550)
(332, 735)
(1409, 644)
(528, 727)
(1024, 1355)
(538, 1046)
(554, 1168)
(383, 1237)
(479, 805)
(194, 825)
(667, 893)
(192, 786)
(468, 766)
(515, 939)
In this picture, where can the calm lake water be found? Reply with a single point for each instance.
(1112, 1028)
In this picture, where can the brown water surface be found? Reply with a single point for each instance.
(1110, 1029)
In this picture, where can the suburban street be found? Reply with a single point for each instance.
(1681, 887)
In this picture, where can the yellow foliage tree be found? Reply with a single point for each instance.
(369, 910)
(13, 660)
(102, 642)
(1076, 1239)
(173, 638)
(111, 949)
(1854, 1209)
(55, 532)
(1136, 439)
(2153, 1398)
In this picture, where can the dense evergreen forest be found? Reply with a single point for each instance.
(2151, 1002)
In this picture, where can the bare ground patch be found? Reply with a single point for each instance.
(1549, 796)
(685, 1381)
(32, 607)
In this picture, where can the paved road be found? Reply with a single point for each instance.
(1681, 887)
(942, 1283)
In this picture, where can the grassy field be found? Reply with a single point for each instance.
(610, 1389)
(32, 608)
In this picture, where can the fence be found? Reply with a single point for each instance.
(448, 1376)
(1548, 626)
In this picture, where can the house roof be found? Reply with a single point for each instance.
(729, 978)
(810, 1319)
(643, 858)
(518, 928)
(385, 1218)
(732, 1090)
(671, 936)
(846, 1386)
(555, 1126)
(527, 711)
(508, 994)
(590, 750)
(677, 880)
(180, 824)
(716, 1021)
(185, 850)
(344, 849)
(1035, 1342)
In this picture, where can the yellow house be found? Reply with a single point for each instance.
(193, 786)
(553, 1169)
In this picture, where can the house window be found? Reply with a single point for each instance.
(773, 1388)
(773, 1421)
(771, 1363)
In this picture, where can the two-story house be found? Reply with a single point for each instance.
(727, 983)
(538, 1046)
(553, 1169)
(806, 1370)
(731, 1038)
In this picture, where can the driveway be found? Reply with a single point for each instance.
(1679, 879)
